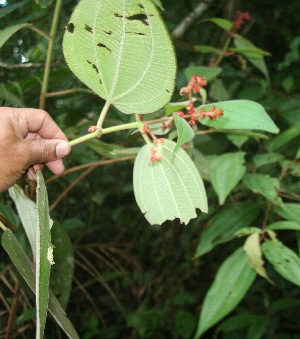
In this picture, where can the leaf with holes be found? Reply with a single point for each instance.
(122, 51)
(168, 189)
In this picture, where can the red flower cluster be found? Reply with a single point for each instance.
(213, 113)
(240, 18)
(194, 85)
(155, 152)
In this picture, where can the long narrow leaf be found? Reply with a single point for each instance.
(26, 269)
(231, 283)
(43, 255)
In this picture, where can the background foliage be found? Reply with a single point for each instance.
(132, 280)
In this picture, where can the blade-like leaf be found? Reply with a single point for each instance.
(253, 251)
(122, 51)
(168, 189)
(247, 50)
(226, 171)
(222, 23)
(27, 212)
(289, 211)
(62, 271)
(240, 114)
(44, 255)
(11, 7)
(208, 73)
(231, 283)
(25, 268)
(264, 185)
(285, 261)
(185, 132)
(284, 225)
(224, 225)
(6, 33)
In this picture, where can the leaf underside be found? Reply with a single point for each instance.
(122, 51)
(168, 189)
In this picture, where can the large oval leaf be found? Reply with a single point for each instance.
(232, 282)
(168, 189)
(122, 51)
(240, 114)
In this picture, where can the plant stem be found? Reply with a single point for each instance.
(49, 54)
(69, 91)
(145, 135)
(103, 115)
(108, 130)
(224, 49)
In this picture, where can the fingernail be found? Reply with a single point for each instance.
(31, 174)
(62, 149)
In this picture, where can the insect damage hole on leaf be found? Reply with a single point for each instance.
(101, 45)
(88, 29)
(70, 27)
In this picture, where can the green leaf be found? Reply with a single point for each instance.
(9, 98)
(224, 225)
(6, 33)
(222, 23)
(231, 283)
(226, 171)
(44, 254)
(266, 159)
(284, 225)
(25, 268)
(122, 51)
(218, 91)
(247, 231)
(107, 150)
(264, 185)
(62, 272)
(172, 107)
(284, 137)
(284, 260)
(251, 53)
(209, 73)
(12, 7)
(240, 114)
(168, 189)
(289, 211)
(27, 212)
(254, 253)
(185, 132)
(239, 321)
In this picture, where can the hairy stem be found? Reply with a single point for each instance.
(103, 115)
(49, 54)
(103, 131)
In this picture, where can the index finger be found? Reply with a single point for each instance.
(40, 122)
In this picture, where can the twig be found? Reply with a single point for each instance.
(187, 22)
(92, 164)
(17, 66)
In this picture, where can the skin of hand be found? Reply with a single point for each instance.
(29, 138)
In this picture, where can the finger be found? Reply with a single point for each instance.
(56, 166)
(41, 151)
(38, 121)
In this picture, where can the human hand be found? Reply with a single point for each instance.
(29, 137)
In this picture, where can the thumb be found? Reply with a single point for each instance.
(40, 151)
